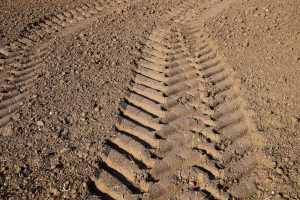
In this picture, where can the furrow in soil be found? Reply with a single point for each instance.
(183, 127)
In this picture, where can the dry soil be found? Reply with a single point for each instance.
(66, 69)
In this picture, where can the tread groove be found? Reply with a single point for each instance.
(184, 118)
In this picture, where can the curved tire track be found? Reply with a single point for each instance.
(184, 132)
(23, 58)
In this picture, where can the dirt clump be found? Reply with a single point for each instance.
(261, 41)
(77, 68)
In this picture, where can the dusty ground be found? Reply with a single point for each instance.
(261, 41)
(51, 147)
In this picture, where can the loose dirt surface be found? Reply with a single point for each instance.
(149, 99)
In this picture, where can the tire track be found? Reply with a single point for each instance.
(184, 132)
(46, 27)
(22, 59)
(161, 134)
(17, 76)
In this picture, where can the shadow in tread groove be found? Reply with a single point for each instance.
(187, 96)
(22, 59)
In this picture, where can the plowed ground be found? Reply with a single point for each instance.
(145, 100)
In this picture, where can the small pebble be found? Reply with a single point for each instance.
(55, 192)
(245, 44)
(40, 123)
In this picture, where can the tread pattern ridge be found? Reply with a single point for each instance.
(183, 130)
(22, 59)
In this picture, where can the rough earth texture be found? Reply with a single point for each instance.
(261, 41)
(50, 149)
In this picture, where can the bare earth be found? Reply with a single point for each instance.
(150, 99)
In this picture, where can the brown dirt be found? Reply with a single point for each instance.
(261, 41)
(73, 76)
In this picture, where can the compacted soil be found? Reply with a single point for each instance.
(149, 99)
